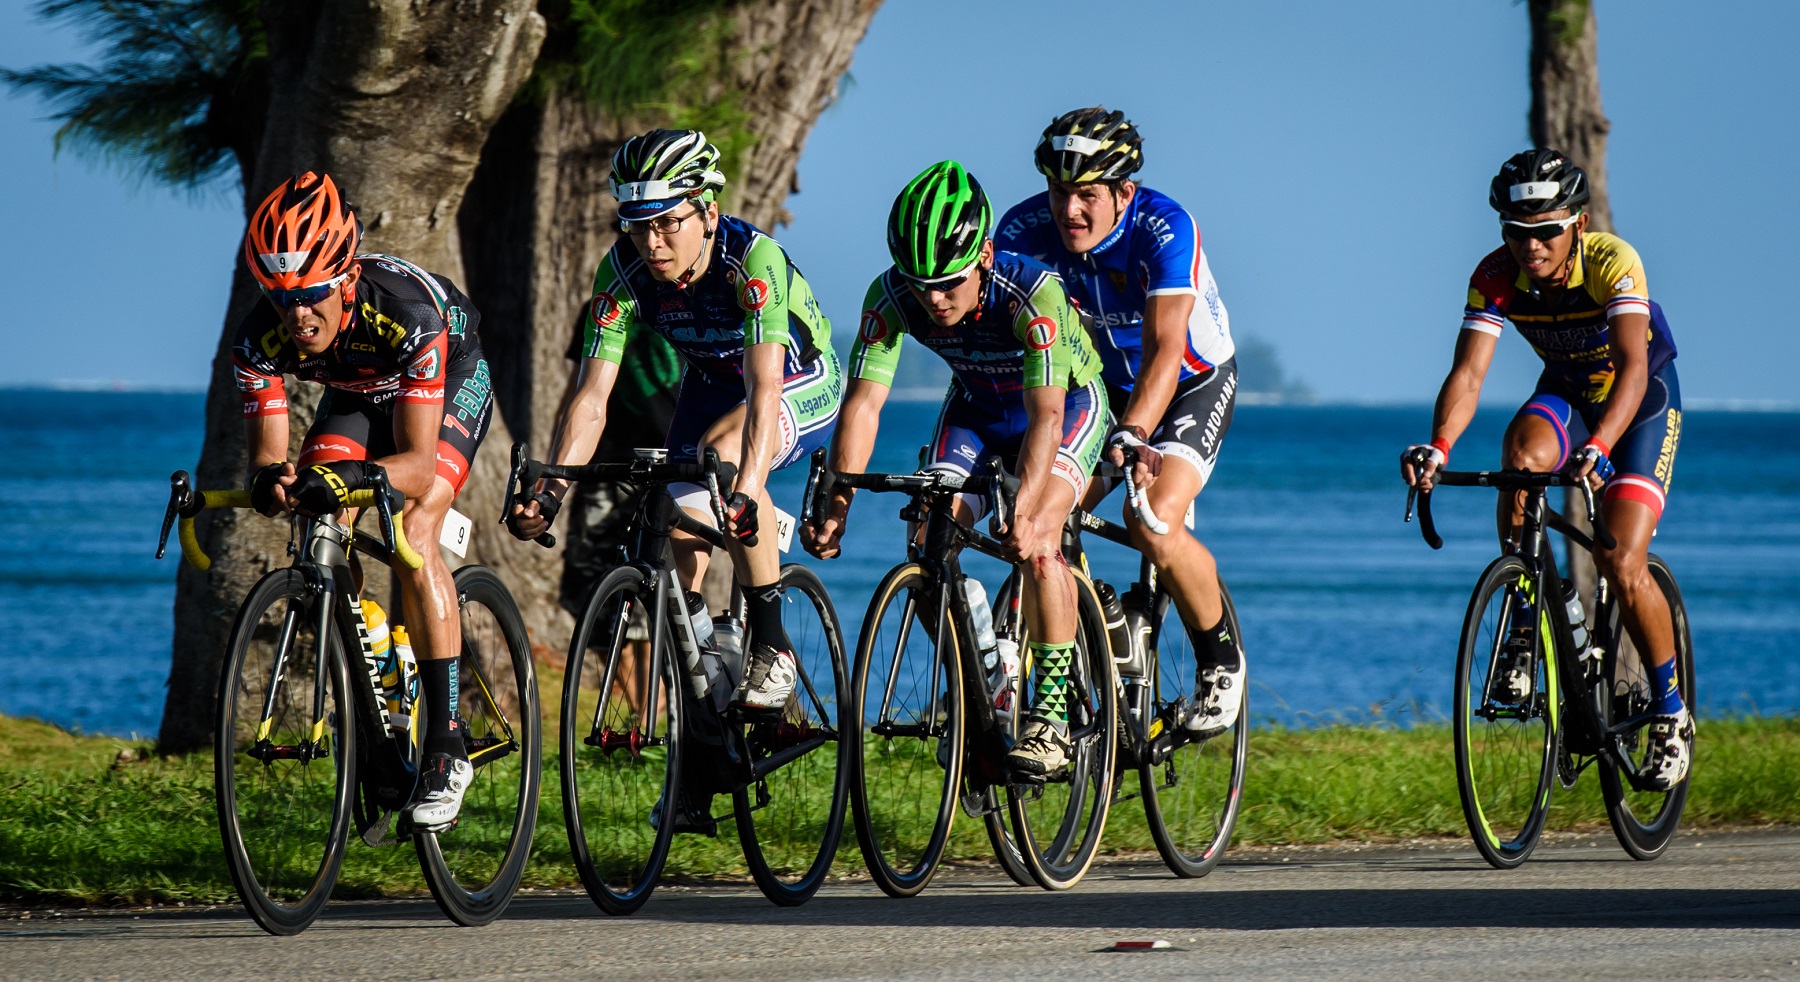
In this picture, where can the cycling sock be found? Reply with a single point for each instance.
(763, 613)
(1215, 647)
(1052, 701)
(437, 679)
(1666, 699)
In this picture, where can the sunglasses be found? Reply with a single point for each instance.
(942, 285)
(305, 296)
(1541, 231)
(661, 224)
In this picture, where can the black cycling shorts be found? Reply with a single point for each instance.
(1194, 425)
(351, 427)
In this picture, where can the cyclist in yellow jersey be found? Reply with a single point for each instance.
(1581, 299)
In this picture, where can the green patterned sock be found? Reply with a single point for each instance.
(1052, 660)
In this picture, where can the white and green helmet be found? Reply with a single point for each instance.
(662, 168)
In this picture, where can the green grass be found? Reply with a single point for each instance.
(100, 820)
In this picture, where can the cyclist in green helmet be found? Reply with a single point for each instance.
(1026, 387)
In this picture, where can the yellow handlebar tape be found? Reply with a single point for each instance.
(197, 558)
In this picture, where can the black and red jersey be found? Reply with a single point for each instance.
(407, 330)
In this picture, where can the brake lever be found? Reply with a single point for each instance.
(377, 480)
(181, 490)
(520, 454)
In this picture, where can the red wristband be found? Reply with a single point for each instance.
(1605, 451)
(1443, 446)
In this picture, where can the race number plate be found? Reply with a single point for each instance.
(455, 536)
(784, 529)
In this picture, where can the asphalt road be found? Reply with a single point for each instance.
(1718, 906)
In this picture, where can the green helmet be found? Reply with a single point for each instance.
(662, 168)
(938, 223)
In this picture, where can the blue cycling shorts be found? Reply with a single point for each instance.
(1644, 458)
(967, 434)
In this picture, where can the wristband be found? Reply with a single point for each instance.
(1443, 447)
(1594, 441)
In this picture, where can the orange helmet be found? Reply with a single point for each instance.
(301, 235)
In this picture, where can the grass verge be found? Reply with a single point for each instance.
(101, 820)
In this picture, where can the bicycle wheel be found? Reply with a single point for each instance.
(1505, 752)
(907, 712)
(1644, 821)
(1059, 822)
(620, 759)
(283, 749)
(791, 819)
(1191, 796)
(474, 869)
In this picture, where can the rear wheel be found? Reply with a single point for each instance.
(620, 759)
(285, 739)
(791, 818)
(907, 724)
(1644, 821)
(1059, 822)
(1191, 796)
(474, 869)
(1505, 751)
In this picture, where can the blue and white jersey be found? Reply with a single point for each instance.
(1155, 250)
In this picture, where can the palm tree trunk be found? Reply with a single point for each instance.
(395, 100)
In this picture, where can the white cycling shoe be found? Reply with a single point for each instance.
(769, 679)
(1218, 698)
(442, 780)
(1043, 748)
(1671, 749)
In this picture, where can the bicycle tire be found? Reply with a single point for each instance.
(907, 764)
(610, 800)
(1190, 811)
(1645, 839)
(1505, 755)
(472, 880)
(789, 841)
(1059, 823)
(284, 822)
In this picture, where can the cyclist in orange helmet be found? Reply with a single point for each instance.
(406, 388)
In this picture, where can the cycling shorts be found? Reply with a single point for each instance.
(350, 427)
(809, 410)
(1193, 427)
(967, 435)
(1644, 458)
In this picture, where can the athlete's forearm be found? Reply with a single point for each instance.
(1043, 437)
(1159, 371)
(583, 419)
(1460, 394)
(267, 439)
(763, 380)
(1631, 376)
(859, 421)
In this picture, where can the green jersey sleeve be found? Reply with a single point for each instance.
(876, 353)
(1058, 350)
(612, 314)
(778, 303)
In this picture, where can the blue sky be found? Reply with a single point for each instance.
(1336, 156)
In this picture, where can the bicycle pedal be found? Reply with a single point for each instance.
(381, 832)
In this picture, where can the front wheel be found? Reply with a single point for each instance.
(285, 740)
(906, 720)
(791, 817)
(1058, 821)
(1644, 821)
(1191, 796)
(619, 748)
(1506, 747)
(474, 869)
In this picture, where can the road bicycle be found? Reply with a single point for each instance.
(929, 735)
(317, 732)
(1589, 699)
(647, 735)
(1192, 786)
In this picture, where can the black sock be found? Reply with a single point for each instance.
(438, 684)
(763, 611)
(1215, 647)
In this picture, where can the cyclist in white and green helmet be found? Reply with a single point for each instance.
(762, 382)
(1026, 387)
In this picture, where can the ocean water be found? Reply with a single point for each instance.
(1347, 614)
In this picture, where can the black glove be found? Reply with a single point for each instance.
(1131, 440)
(548, 505)
(325, 488)
(262, 488)
(740, 517)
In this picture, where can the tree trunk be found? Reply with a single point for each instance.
(394, 100)
(538, 218)
(1566, 115)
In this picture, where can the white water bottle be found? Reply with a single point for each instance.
(983, 617)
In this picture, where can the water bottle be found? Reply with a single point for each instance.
(1114, 611)
(728, 641)
(983, 617)
(1002, 678)
(699, 634)
(1577, 617)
